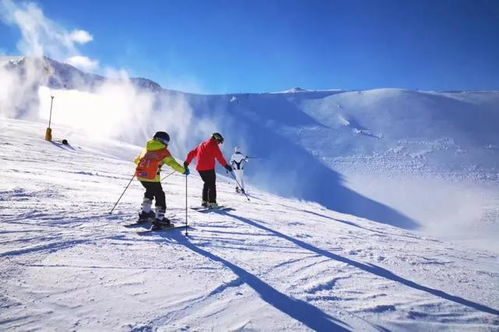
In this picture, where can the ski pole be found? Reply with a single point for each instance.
(232, 173)
(186, 225)
(122, 194)
(167, 175)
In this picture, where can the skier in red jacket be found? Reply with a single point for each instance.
(206, 153)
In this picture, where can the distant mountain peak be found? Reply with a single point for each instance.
(296, 90)
(61, 75)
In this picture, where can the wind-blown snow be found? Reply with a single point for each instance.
(271, 264)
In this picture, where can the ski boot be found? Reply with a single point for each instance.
(146, 217)
(147, 214)
(158, 224)
(213, 205)
(237, 190)
(161, 221)
(204, 204)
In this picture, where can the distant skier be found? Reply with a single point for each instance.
(206, 153)
(148, 170)
(237, 161)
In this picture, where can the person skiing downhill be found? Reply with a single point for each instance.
(148, 169)
(206, 153)
(237, 161)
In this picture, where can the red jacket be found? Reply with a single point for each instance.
(206, 153)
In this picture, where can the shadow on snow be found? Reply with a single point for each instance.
(371, 268)
(304, 312)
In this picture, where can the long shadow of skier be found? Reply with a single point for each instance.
(374, 269)
(304, 312)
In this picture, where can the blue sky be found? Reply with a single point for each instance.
(257, 46)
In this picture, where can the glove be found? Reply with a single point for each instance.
(186, 164)
(186, 172)
(228, 168)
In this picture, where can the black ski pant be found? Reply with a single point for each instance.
(155, 191)
(209, 188)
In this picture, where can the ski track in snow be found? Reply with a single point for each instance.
(271, 264)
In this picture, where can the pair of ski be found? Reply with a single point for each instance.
(208, 209)
(152, 229)
(147, 224)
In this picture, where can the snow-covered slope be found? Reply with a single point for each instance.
(272, 264)
(420, 160)
(414, 159)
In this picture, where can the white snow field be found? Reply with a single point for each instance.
(271, 264)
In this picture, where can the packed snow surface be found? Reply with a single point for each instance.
(270, 264)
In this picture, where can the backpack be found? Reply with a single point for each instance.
(149, 164)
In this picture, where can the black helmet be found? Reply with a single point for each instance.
(217, 137)
(162, 137)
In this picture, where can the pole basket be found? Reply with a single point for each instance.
(48, 134)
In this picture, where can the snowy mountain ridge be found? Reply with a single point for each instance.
(65, 76)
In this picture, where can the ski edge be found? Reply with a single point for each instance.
(147, 224)
(151, 231)
(205, 209)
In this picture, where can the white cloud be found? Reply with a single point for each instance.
(83, 63)
(42, 36)
(81, 36)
